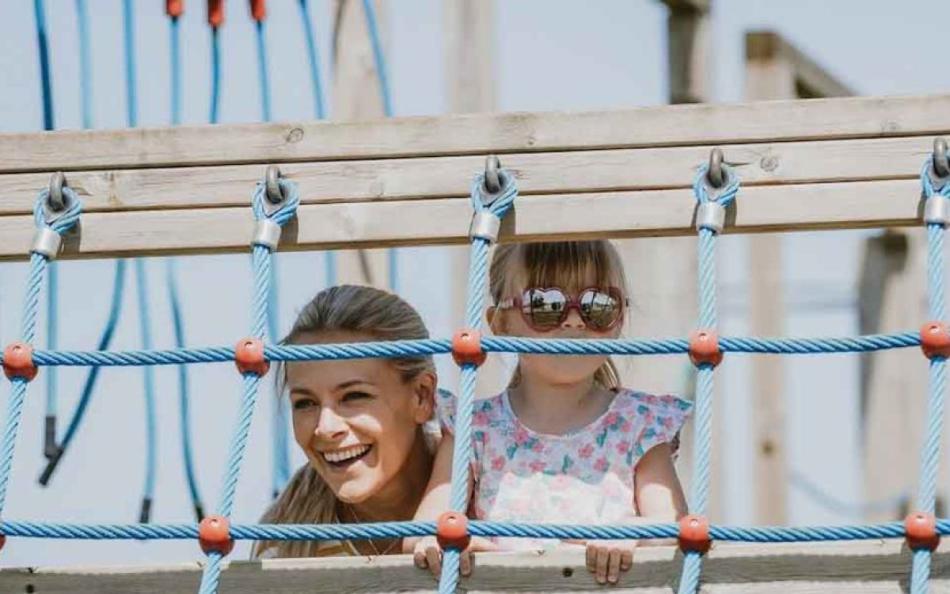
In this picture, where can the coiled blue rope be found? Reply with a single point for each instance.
(490, 344)
(692, 563)
(66, 220)
(475, 304)
(262, 278)
(930, 452)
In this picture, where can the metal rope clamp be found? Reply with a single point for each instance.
(711, 214)
(937, 206)
(46, 241)
(266, 231)
(486, 224)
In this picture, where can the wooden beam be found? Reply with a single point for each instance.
(688, 50)
(779, 163)
(810, 79)
(357, 96)
(475, 134)
(652, 213)
(873, 567)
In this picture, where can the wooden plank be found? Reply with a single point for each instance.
(357, 96)
(810, 79)
(881, 566)
(440, 177)
(651, 213)
(687, 50)
(677, 125)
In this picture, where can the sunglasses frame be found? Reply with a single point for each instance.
(573, 301)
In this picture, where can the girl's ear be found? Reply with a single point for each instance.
(423, 402)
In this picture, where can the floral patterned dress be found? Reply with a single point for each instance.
(582, 477)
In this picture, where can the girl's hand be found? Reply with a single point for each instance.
(428, 554)
(607, 558)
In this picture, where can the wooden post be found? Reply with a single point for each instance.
(356, 96)
(468, 27)
(662, 272)
(774, 70)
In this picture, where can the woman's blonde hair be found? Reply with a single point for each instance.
(564, 264)
(347, 308)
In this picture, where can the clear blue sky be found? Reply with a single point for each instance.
(551, 54)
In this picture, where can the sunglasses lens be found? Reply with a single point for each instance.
(600, 309)
(544, 308)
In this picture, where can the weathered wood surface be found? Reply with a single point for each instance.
(162, 192)
(477, 134)
(859, 567)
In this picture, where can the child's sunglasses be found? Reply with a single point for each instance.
(544, 309)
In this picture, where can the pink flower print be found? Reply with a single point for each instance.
(537, 466)
(538, 446)
(521, 436)
(480, 419)
(611, 418)
(622, 447)
(667, 422)
(586, 452)
(498, 463)
(626, 426)
(601, 464)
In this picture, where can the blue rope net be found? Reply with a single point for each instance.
(496, 205)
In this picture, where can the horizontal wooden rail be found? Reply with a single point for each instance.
(846, 163)
(844, 568)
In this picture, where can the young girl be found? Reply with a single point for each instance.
(565, 443)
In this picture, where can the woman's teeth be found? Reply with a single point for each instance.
(345, 454)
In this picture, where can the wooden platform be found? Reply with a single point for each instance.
(867, 567)
(805, 164)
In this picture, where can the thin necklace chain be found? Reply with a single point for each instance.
(371, 542)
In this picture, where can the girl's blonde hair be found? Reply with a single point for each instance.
(347, 308)
(565, 264)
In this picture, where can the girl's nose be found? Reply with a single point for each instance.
(330, 426)
(573, 321)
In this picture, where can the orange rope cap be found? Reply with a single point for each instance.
(18, 361)
(249, 356)
(935, 340)
(704, 348)
(258, 10)
(694, 534)
(215, 13)
(452, 531)
(467, 347)
(174, 8)
(921, 530)
(214, 535)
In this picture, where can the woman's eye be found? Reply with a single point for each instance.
(304, 404)
(352, 396)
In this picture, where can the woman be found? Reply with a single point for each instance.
(360, 422)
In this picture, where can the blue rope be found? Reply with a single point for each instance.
(178, 328)
(46, 79)
(215, 76)
(151, 432)
(930, 452)
(475, 304)
(31, 307)
(692, 563)
(262, 279)
(174, 33)
(118, 288)
(280, 472)
(378, 530)
(490, 344)
(314, 59)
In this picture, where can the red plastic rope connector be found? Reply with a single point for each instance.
(174, 8)
(215, 13)
(921, 531)
(467, 347)
(704, 348)
(258, 10)
(214, 534)
(18, 361)
(249, 356)
(935, 340)
(452, 531)
(694, 534)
